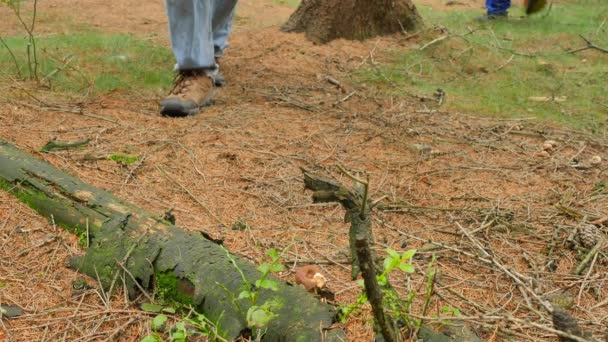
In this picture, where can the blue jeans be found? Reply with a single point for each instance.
(497, 6)
(199, 31)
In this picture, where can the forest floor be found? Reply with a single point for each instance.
(453, 180)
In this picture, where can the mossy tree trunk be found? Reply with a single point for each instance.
(326, 20)
(151, 254)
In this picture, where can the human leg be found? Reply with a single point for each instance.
(191, 31)
(192, 24)
(222, 25)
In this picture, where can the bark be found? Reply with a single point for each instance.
(385, 323)
(326, 20)
(152, 254)
(362, 254)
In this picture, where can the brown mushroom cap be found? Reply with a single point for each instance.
(310, 277)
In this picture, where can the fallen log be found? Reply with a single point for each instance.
(180, 266)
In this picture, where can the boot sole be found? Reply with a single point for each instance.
(177, 109)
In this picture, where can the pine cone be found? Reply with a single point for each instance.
(588, 235)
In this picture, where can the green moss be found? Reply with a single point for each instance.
(168, 291)
(124, 159)
(40, 202)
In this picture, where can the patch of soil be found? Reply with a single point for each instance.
(283, 110)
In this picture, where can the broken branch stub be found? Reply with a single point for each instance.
(325, 191)
(361, 239)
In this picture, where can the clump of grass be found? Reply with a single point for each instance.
(514, 68)
(292, 3)
(94, 61)
(124, 159)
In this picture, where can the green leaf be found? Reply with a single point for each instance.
(264, 268)
(277, 267)
(388, 263)
(450, 310)
(267, 284)
(273, 254)
(258, 317)
(408, 254)
(169, 310)
(149, 338)
(407, 268)
(392, 253)
(149, 307)
(245, 294)
(180, 333)
(159, 321)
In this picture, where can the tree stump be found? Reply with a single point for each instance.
(326, 20)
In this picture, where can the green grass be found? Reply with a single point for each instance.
(93, 60)
(124, 159)
(292, 3)
(498, 67)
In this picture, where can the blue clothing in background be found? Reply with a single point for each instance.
(498, 7)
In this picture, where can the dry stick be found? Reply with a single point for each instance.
(145, 293)
(361, 237)
(585, 280)
(502, 318)
(33, 39)
(436, 40)
(600, 304)
(121, 329)
(600, 221)
(203, 205)
(512, 274)
(590, 256)
(124, 260)
(590, 45)
(345, 98)
(137, 166)
(448, 247)
(63, 110)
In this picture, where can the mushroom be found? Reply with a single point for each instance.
(310, 277)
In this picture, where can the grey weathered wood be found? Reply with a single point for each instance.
(181, 266)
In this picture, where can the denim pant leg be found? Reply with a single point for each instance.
(191, 26)
(221, 32)
(498, 6)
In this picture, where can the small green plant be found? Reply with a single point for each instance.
(177, 333)
(32, 53)
(124, 159)
(292, 3)
(206, 327)
(450, 311)
(430, 283)
(240, 224)
(156, 324)
(393, 262)
(259, 314)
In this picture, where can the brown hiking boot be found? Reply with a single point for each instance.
(192, 91)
